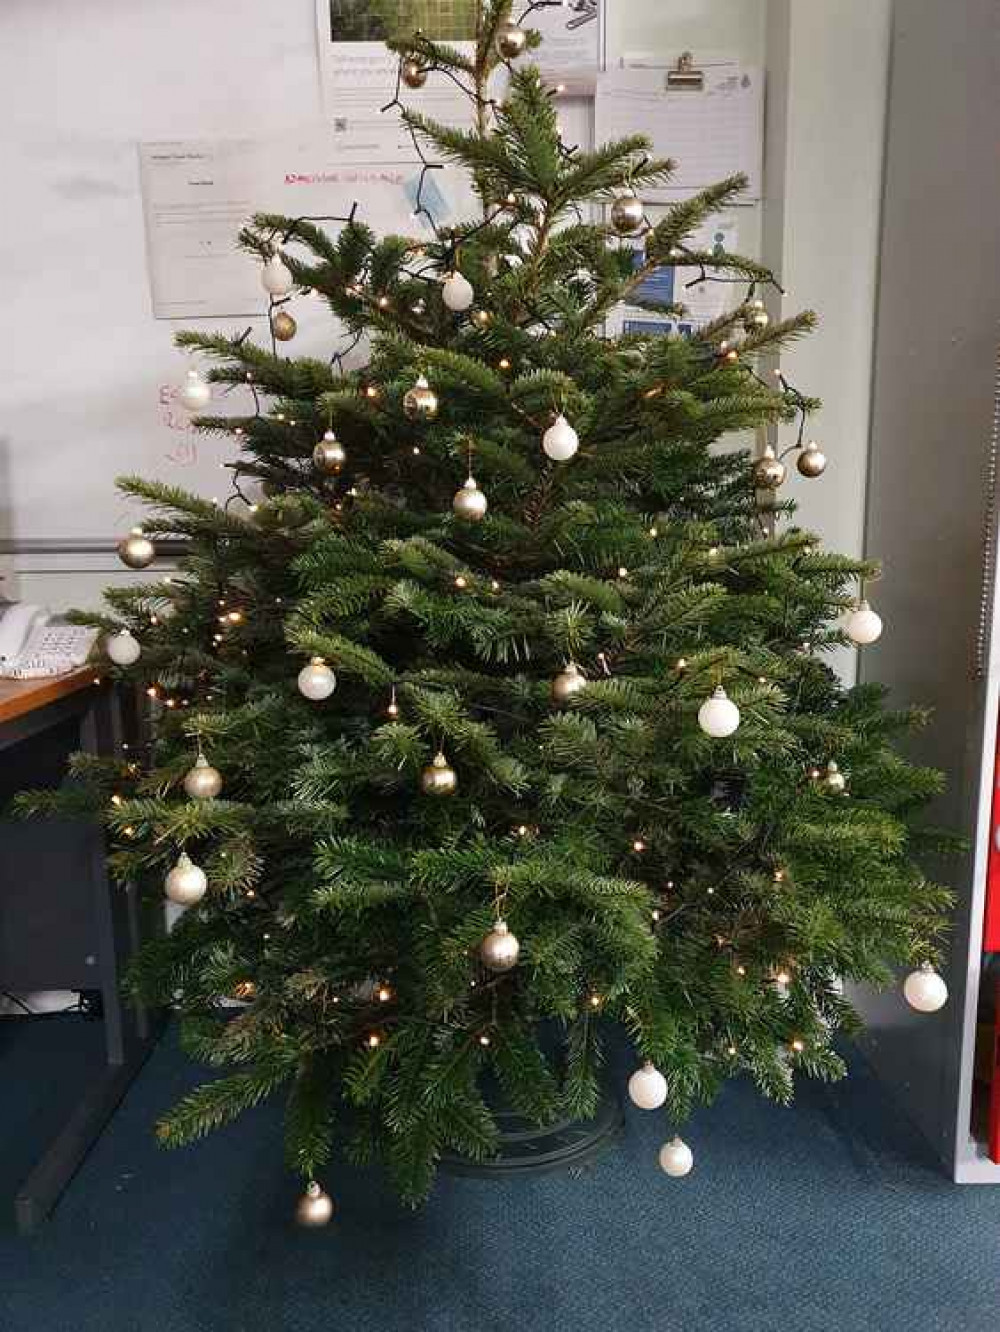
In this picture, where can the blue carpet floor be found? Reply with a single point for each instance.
(831, 1216)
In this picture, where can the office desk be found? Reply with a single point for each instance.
(63, 925)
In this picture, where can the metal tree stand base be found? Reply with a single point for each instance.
(525, 1148)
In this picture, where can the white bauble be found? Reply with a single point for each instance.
(456, 292)
(276, 277)
(560, 441)
(186, 882)
(718, 716)
(925, 990)
(316, 680)
(195, 392)
(676, 1158)
(647, 1087)
(122, 648)
(863, 625)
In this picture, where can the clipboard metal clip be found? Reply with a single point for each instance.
(684, 75)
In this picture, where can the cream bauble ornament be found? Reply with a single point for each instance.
(203, 782)
(647, 1087)
(811, 462)
(457, 292)
(560, 441)
(283, 326)
(500, 949)
(511, 40)
(420, 403)
(925, 990)
(413, 72)
(439, 777)
(570, 680)
(718, 716)
(136, 550)
(329, 455)
(470, 503)
(276, 277)
(195, 393)
(122, 648)
(863, 626)
(316, 681)
(833, 780)
(314, 1208)
(186, 882)
(768, 470)
(676, 1158)
(627, 214)
(756, 317)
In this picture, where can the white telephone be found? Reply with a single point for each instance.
(33, 643)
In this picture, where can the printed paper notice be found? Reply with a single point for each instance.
(711, 132)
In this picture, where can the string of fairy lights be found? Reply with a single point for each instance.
(718, 716)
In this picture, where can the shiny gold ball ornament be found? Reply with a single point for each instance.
(833, 780)
(136, 550)
(186, 882)
(420, 403)
(203, 782)
(570, 680)
(500, 949)
(283, 326)
(439, 777)
(314, 1208)
(481, 318)
(511, 40)
(768, 470)
(627, 214)
(329, 455)
(413, 72)
(470, 503)
(812, 460)
(756, 318)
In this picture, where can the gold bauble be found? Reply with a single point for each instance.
(413, 72)
(627, 214)
(481, 318)
(833, 780)
(439, 777)
(756, 318)
(568, 682)
(136, 550)
(812, 460)
(500, 949)
(768, 471)
(420, 403)
(283, 326)
(511, 40)
(329, 455)
(203, 782)
(314, 1208)
(470, 502)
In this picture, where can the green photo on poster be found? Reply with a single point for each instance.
(385, 20)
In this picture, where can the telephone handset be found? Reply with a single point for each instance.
(32, 644)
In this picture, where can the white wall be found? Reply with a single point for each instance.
(81, 84)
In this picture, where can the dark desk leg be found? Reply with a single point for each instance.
(129, 1032)
(42, 1189)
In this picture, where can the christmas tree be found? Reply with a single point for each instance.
(507, 709)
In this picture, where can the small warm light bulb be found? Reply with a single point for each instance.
(622, 571)
(151, 691)
(371, 391)
(782, 977)
(416, 450)
(779, 875)
(461, 581)
(504, 363)
(638, 846)
(655, 914)
(741, 970)
(374, 1040)
(384, 994)
(383, 302)
(681, 663)
(595, 1001)
(653, 531)
(730, 1050)
(484, 1039)
(495, 584)
(798, 1045)
(522, 830)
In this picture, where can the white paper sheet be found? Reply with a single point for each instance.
(711, 133)
(196, 196)
(571, 52)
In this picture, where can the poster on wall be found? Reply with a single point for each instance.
(703, 301)
(572, 49)
(197, 195)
